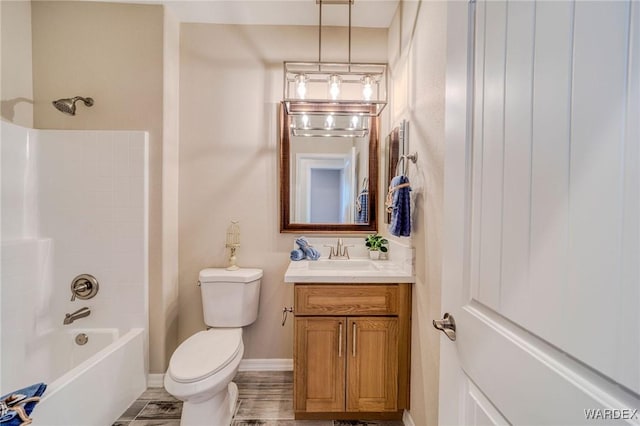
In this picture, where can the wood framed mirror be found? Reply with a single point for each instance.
(328, 173)
(396, 145)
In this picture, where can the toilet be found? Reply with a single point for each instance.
(202, 367)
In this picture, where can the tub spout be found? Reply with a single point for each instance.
(80, 313)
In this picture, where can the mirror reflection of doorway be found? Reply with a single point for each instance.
(325, 196)
(325, 188)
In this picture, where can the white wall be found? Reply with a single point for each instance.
(417, 47)
(19, 203)
(165, 302)
(19, 262)
(92, 198)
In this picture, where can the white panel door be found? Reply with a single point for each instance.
(542, 206)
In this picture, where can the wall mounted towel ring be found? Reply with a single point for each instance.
(403, 160)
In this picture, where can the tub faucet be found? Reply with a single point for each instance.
(80, 313)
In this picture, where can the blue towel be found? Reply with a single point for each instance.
(362, 207)
(302, 242)
(11, 417)
(310, 252)
(400, 225)
(297, 254)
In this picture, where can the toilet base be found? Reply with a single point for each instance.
(217, 411)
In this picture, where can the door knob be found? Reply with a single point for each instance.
(447, 324)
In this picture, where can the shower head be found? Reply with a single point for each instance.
(68, 105)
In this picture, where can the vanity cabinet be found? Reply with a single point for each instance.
(351, 350)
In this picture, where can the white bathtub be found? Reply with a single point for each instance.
(98, 380)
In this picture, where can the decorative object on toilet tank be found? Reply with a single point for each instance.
(233, 243)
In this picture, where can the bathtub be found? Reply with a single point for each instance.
(96, 382)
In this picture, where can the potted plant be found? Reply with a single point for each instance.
(376, 243)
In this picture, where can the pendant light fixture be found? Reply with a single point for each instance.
(338, 87)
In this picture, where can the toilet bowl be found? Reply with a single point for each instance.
(202, 368)
(200, 374)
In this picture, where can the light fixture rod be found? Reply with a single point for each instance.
(349, 35)
(320, 35)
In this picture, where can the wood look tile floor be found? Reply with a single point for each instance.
(265, 399)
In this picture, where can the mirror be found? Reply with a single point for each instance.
(395, 146)
(328, 172)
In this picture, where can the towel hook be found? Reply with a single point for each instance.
(403, 158)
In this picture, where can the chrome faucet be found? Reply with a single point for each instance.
(340, 251)
(80, 313)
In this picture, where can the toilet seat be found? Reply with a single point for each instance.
(204, 354)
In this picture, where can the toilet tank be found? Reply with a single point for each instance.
(230, 298)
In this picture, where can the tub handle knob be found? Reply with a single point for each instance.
(84, 287)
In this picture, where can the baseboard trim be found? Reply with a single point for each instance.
(407, 419)
(155, 380)
(268, 364)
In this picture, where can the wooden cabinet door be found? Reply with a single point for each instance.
(319, 371)
(372, 367)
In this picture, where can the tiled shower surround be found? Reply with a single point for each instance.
(73, 202)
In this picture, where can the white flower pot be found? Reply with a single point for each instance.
(374, 254)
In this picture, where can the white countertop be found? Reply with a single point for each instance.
(355, 270)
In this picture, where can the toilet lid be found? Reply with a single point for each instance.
(204, 354)
(242, 275)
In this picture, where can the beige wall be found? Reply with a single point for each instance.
(16, 87)
(230, 85)
(166, 335)
(417, 47)
(113, 53)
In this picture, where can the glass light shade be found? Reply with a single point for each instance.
(334, 86)
(367, 87)
(328, 122)
(301, 85)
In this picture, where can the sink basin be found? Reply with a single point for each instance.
(358, 270)
(343, 265)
